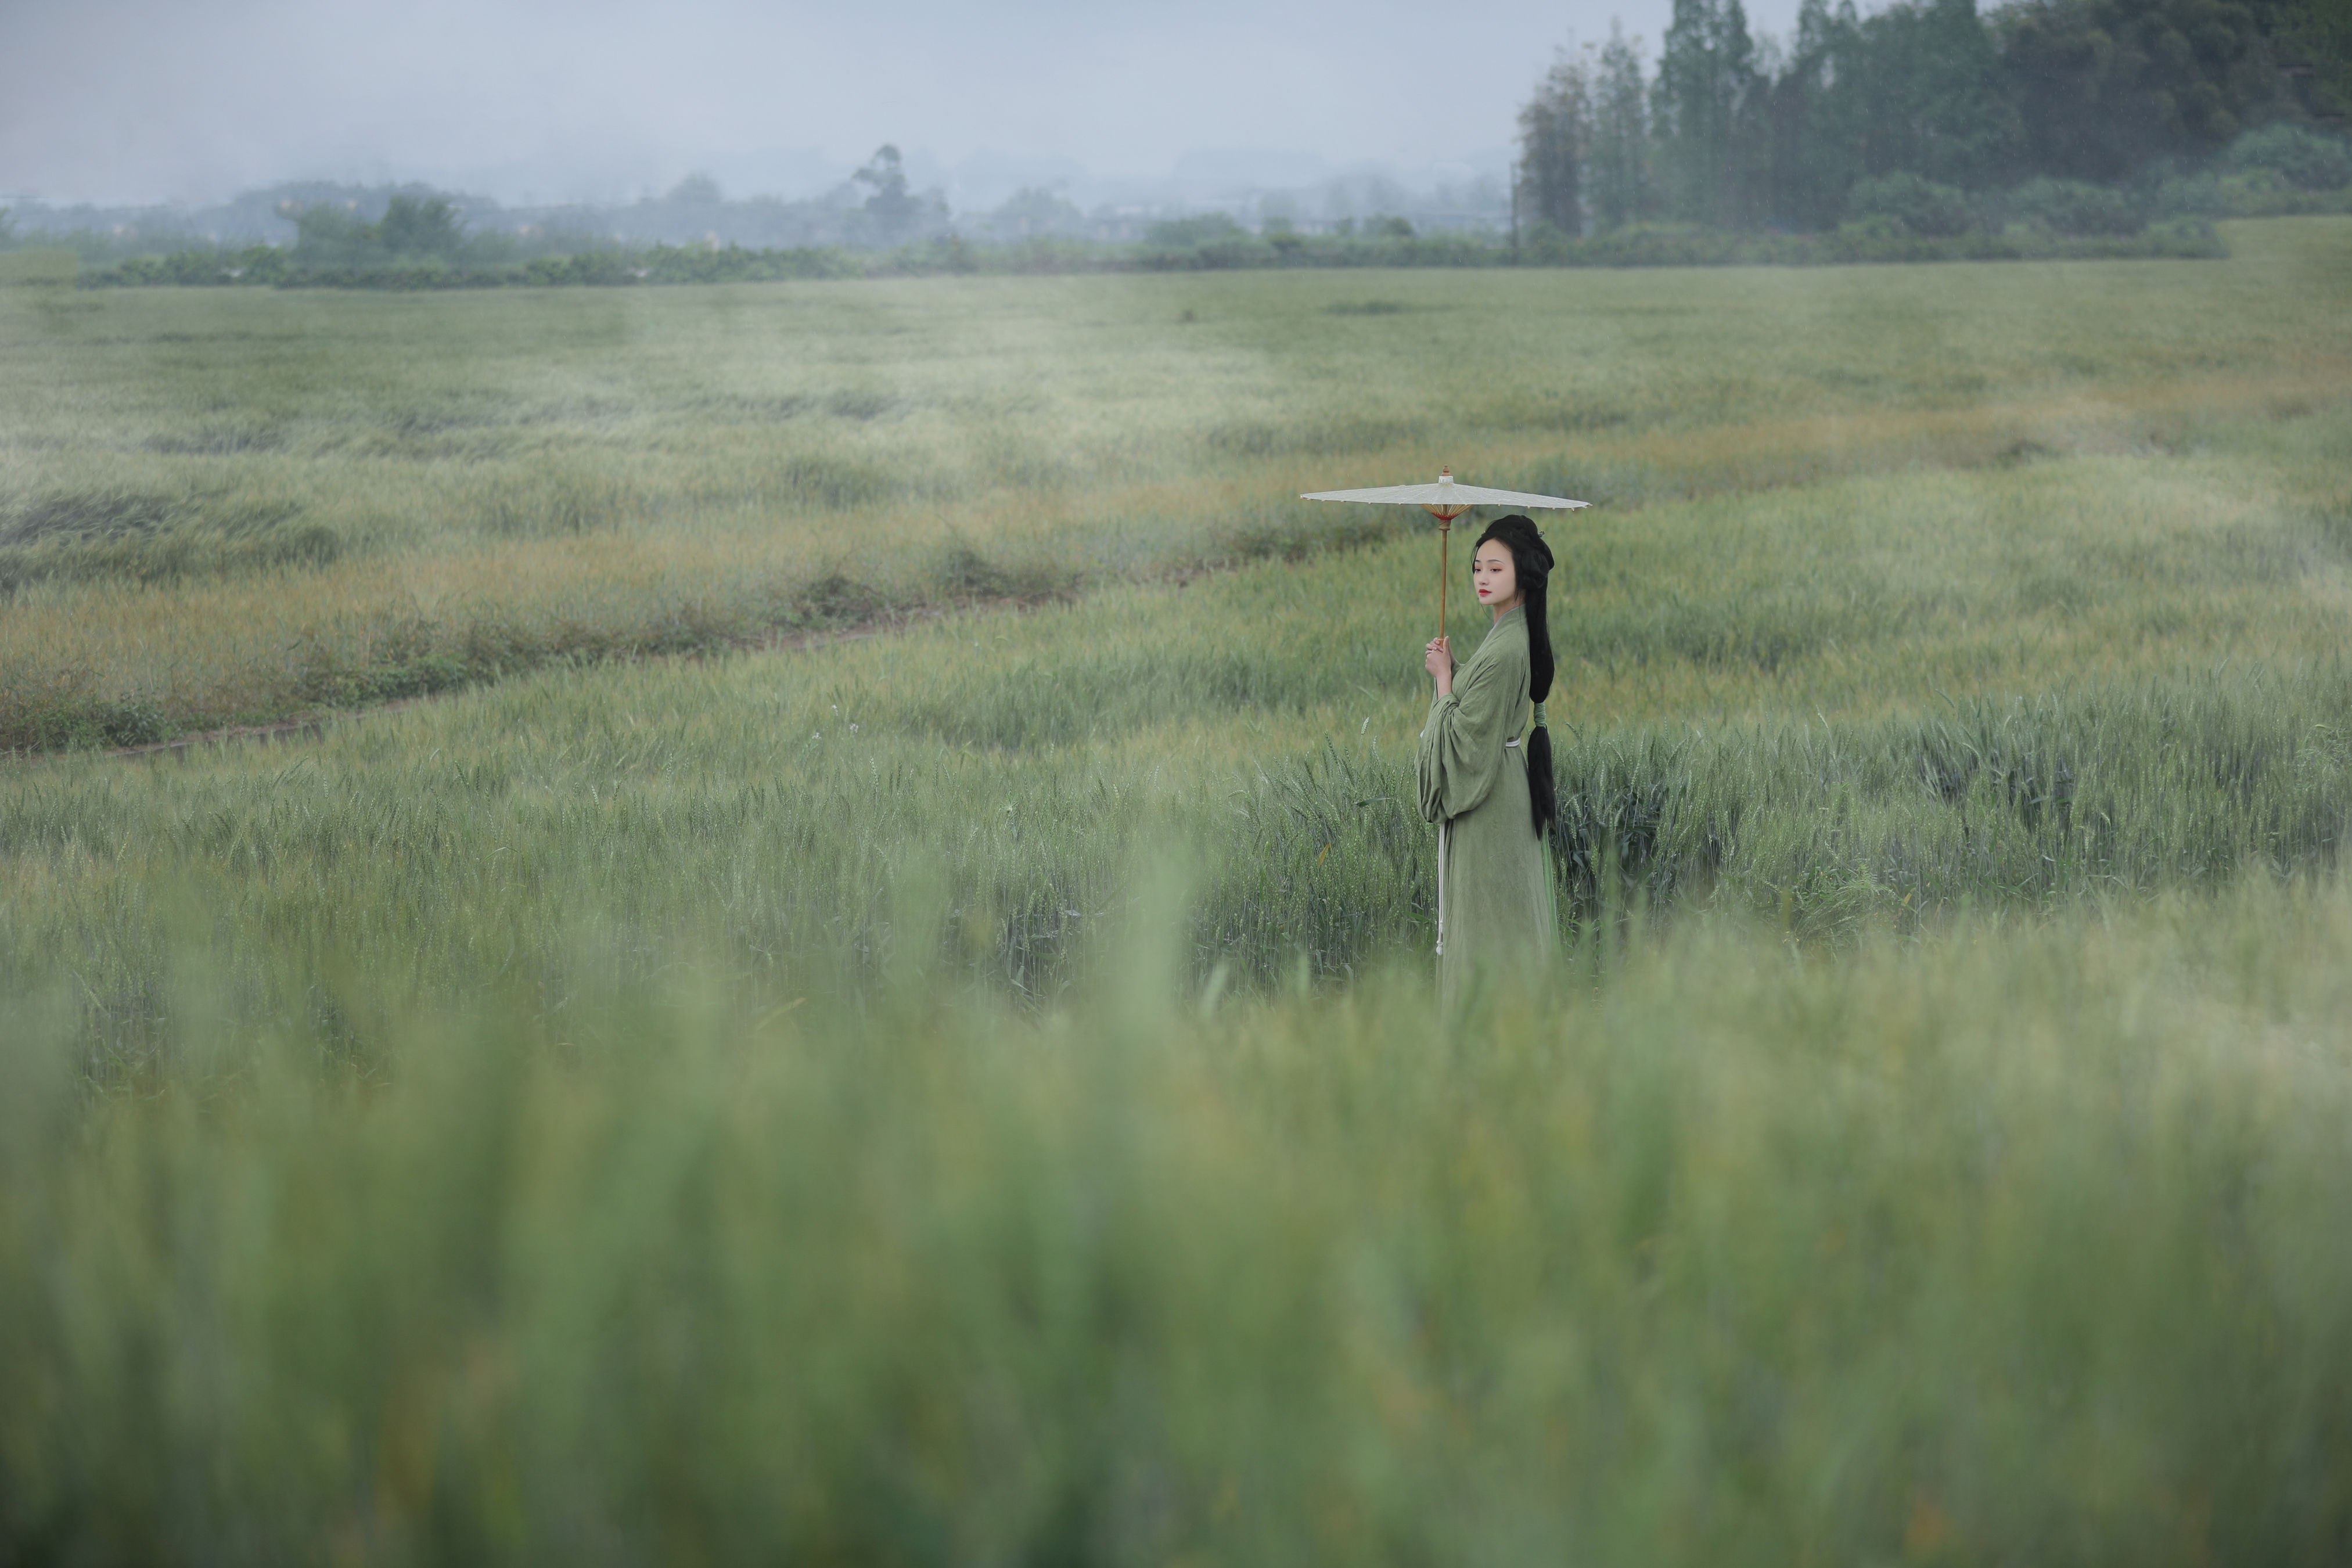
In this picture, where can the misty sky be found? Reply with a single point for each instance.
(124, 100)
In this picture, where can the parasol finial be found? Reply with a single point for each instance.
(1446, 509)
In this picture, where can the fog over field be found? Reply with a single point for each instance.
(135, 100)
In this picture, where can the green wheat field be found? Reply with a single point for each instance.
(870, 1001)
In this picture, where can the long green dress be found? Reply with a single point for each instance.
(1494, 908)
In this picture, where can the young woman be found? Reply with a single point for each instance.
(1490, 796)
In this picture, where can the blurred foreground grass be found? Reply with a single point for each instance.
(2024, 1245)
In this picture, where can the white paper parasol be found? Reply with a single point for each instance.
(1446, 501)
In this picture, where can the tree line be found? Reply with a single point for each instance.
(424, 229)
(1932, 117)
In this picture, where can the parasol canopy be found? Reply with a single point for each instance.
(1446, 501)
(1452, 498)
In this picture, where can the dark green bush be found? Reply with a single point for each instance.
(132, 721)
(256, 264)
(2308, 160)
(1920, 206)
(144, 538)
(1207, 229)
(2076, 208)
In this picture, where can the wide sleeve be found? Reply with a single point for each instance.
(1461, 751)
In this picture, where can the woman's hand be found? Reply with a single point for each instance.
(1439, 661)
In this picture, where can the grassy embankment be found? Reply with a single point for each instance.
(733, 1107)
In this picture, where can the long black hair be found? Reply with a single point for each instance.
(1531, 561)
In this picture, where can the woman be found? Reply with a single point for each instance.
(1491, 797)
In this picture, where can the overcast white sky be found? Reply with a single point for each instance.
(120, 101)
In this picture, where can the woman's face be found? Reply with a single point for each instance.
(1494, 574)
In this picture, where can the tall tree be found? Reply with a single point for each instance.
(1617, 154)
(2317, 36)
(2311, 42)
(1930, 95)
(1812, 124)
(2104, 86)
(2323, 29)
(1706, 89)
(1916, 89)
(894, 208)
(1555, 129)
(411, 227)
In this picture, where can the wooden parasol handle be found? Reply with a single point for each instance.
(1445, 516)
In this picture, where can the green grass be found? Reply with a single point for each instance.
(2021, 1244)
(221, 507)
(1854, 703)
(973, 1093)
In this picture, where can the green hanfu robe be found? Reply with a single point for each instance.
(1493, 891)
